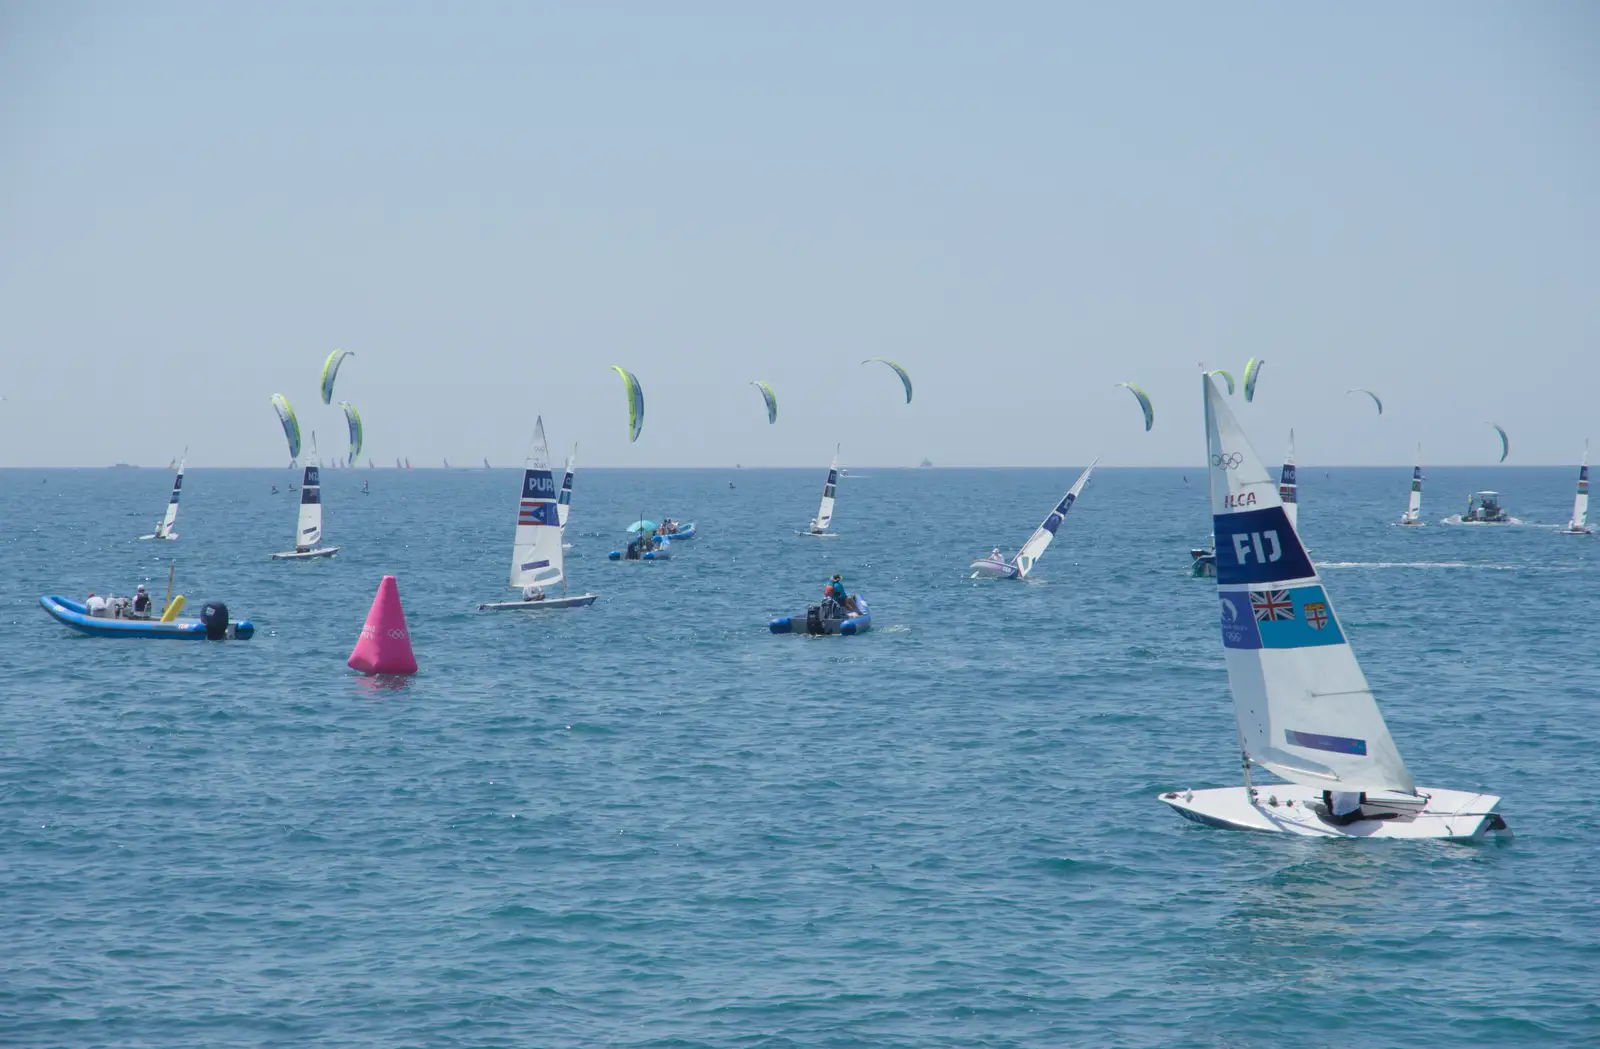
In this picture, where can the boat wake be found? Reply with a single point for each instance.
(1413, 564)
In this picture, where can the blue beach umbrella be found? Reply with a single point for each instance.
(642, 526)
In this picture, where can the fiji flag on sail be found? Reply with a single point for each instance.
(1299, 617)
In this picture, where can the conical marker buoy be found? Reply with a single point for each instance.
(385, 644)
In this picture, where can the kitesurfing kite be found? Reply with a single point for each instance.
(771, 399)
(1144, 404)
(1252, 372)
(1505, 441)
(1226, 375)
(353, 418)
(1369, 393)
(905, 378)
(291, 425)
(330, 372)
(635, 401)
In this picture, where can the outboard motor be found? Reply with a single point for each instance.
(814, 619)
(215, 617)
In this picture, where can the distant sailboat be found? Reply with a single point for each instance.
(308, 527)
(536, 558)
(824, 520)
(370, 464)
(996, 567)
(564, 502)
(447, 464)
(164, 528)
(1286, 486)
(397, 465)
(486, 462)
(408, 462)
(1413, 514)
(1302, 707)
(1579, 525)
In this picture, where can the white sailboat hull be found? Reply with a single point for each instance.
(819, 535)
(549, 604)
(1569, 530)
(306, 555)
(152, 535)
(1289, 808)
(987, 569)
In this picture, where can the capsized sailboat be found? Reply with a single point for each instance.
(824, 520)
(308, 529)
(536, 559)
(164, 528)
(1413, 514)
(997, 567)
(1302, 707)
(1579, 525)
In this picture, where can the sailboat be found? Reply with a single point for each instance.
(1302, 707)
(1579, 525)
(486, 462)
(564, 501)
(820, 524)
(408, 462)
(164, 528)
(1287, 489)
(308, 529)
(397, 465)
(1413, 514)
(997, 567)
(536, 560)
(447, 464)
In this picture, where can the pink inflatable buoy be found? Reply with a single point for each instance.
(385, 643)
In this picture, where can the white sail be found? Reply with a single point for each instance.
(536, 553)
(829, 490)
(1580, 502)
(1047, 531)
(164, 529)
(1413, 512)
(308, 533)
(1301, 703)
(564, 506)
(1286, 486)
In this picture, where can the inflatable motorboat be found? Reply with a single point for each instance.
(681, 532)
(213, 624)
(661, 552)
(829, 618)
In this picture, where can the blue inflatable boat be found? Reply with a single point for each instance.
(661, 553)
(821, 621)
(213, 624)
(682, 532)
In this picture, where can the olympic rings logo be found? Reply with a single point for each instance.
(398, 635)
(1229, 461)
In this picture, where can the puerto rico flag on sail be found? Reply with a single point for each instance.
(538, 503)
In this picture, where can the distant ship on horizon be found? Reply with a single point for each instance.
(925, 462)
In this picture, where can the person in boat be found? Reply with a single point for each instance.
(96, 605)
(533, 592)
(996, 556)
(634, 544)
(141, 603)
(668, 526)
(1344, 806)
(838, 595)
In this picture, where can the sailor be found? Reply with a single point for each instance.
(141, 603)
(533, 592)
(997, 556)
(96, 604)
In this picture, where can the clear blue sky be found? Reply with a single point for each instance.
(1024, 203)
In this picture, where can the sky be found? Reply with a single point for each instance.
(1024, 203)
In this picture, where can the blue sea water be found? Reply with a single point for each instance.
(651, 823)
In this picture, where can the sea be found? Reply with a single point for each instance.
(652, 823)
